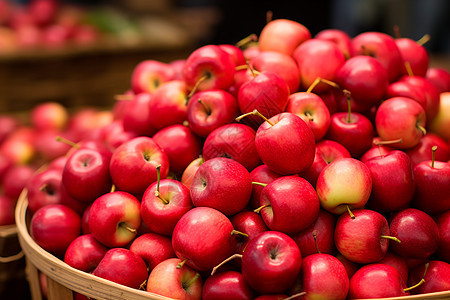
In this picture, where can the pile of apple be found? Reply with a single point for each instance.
(43, 24)
(292, 167)
(28, 141)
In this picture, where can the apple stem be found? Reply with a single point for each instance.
(247, 40)
(321, 80)
(186, 285)
(124, 225)
(421, 280)
(391, 238)
(313, 85)
(397, 32)
(409, 69)
(195, 88)
(259, 183)
(158, 180)
(68, 142)
(43, 187)
(379, 143)
(126, 97)
(181, 264)
(206, 108)
(237, 232)
(433, 155)
(421, 128)
(224, 262)
(269, 16)
(255, 113)
(350, 212)
(113, 188)
(423, 40)
(349, 109)
(314, 233)
(309, 116)
(241, 67)
(142, 286)
(295, 296)
(261, 207)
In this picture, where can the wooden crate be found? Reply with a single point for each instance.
(63, 279)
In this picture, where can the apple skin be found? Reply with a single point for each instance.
(317, 58)
(440, 77)
(213, 62)
(136, 116)
(400, 117)
(43, 188)
(345, 181)
(111, 217)
(282, 64)
(359, 239)
(311, 108)
(437, 277)
(323, 229)
(393, 183)
(153, 248)
(324, 276)
(261, 174)
(440, 125)
(235, 141)
(366, 282)
(133, 164)
(423, 150)
(203, 237)
(417, 231)
(288, 197)
(166, 279)
(227, 285)
(54, 227)
(398, 262)
(218, 108)
(223, 184)
(122, 266)
(415, 54)
(161, 217)
(7, 209)
(180, 144)
(287, 147)
(190, 170)
(85, 253)
(16, 179)
(250, 223)
(49, 115)
(443, 223)
(271, 262)
(149, 74)
(432, 187)
(340, 38)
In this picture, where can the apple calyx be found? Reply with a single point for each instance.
(246, 41)
(258, 210)
(433, 155)
(295, 296)
(391, 238)
(422, 280)
(68, 142)
(158, 180)
(314, 234)
(255, 113)
(236, 255)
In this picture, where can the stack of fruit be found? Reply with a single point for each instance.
(291, 167)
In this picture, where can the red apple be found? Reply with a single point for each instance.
(152, 248)
(443, 223)
(340, 38)
(414, 54)
(7, 209)
(227, 285)
(437, 277)
(440, 77)
(149, 74)
(85, 253)
(136, 116)
(260, 174)
(49, 115)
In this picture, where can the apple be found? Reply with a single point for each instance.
(284, 199)
(190, 170)
(440, 125)
(283, 35)
(261, 174)
(180, 144)
(114, 218)
(49, 115)
(113, 135)
(203, 237)
(153, 248)
(54, 227)
(332, 150)
(318, 58)
(84, 253)
(324, 276)
(344, 184)
(440, 77)
(7, 208)
(149, 74)
(43, 188)
(234, 141)
(208, 67)
(417, 231)
(136, 116)
(170, 280)
(164, 202)
(235, 52)
(363, 239)
(227, 285)
(250, 223)
(398, 262)
(393, 182)
(16, 179)
(366, 283)
(313, 110)
(339, 37)
(436, 275)
(208, 110)
(122, 266)
(443, 223)
(223, 184)
(415, 55)
(424, 150)
(133, 164)
(43, 12)
(271, 262)
(401, 118)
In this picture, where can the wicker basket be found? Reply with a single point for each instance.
(63, 279)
